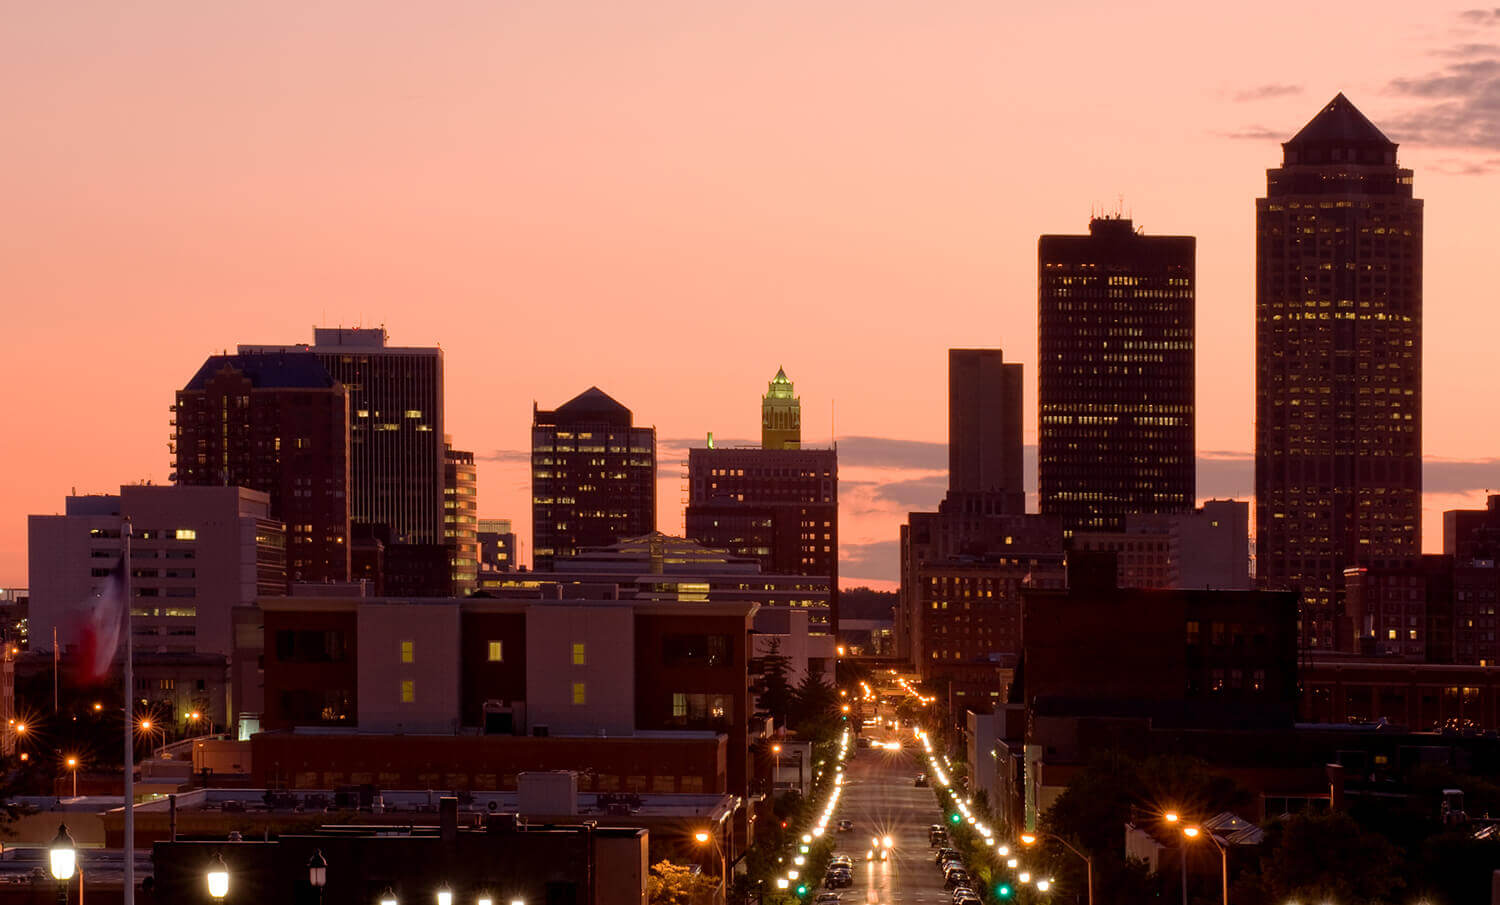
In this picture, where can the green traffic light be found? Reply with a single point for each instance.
(954, 818)
(802, 890)
(1002, 891)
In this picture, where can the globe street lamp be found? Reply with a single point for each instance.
(388, 897)
(62, 857)
(445, 896)
(218, 878)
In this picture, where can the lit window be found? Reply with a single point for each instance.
(579, 696)
(578, 654)
(408, 691)
(187, 534)
(497, 651)
(408, 651)
(679, 704)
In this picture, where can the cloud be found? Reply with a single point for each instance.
(1460, 475)
(877, 560)
(916, 494)
(1481, 17)
(505, 455)
(1254, 133)
(884, 452)
(1265, 92)
(1458, 104)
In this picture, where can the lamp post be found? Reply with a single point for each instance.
(72, 763)
(1172, 817)
(704, 837)
(445, 895)
(1193, 832)
(388, 897)
(218, 878)
(62, 858)
(1088, 863)
(317, 872)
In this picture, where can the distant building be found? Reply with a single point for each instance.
(984, 426)
(461, 519)
(1115, 378)
(396, 429)
(962, 575)
(278, 423)
(1208, 547)
(196, 553)
(593, 477)
(1426, 609)
(1473, 534)
(781, 415)
(497, 545)
(1338, 425)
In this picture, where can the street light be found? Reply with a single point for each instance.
(317, 871)
(445, 896)
(63, 855)
(72, 763)
(1031, 838)
(218, 877)
(388, 897)
(1193, 832)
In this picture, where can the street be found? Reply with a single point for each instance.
(879, 796)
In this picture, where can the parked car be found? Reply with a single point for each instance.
(962, 892)
(845, 825)
(832, 898)
(945, 854)
(951, 864)
(921, 782)
(956, 876)
(970, 899)
(838, 878)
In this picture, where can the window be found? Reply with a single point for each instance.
(695, 650)
(408, 691)
(408, 652)
(579, 659)
(580, 696)
(679, 705)
(497, 652)
(187, 534)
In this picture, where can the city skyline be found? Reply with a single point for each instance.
(201, 204)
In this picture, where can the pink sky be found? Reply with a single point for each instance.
(670, 199)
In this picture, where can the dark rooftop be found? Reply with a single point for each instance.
(1339, 124)
(267, 370)
(593, 404)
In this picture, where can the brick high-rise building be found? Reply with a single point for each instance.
(984, 425)
(1338, 427)
(277, 423)
(1115, 375)
(593, 477)
(396, 429)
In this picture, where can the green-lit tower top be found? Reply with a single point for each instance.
(780, 415)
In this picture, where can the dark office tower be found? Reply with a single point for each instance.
(277, 423)
(780, 415)
(780, 506)
(1115, 375)
(984, 426)
(396, 430)
(461, 519)
(593, 477)
(1338, 356)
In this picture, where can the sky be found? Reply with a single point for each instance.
(671, 198)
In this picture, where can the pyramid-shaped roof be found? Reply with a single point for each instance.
(266, 370)
(592, 403)
(1339, 124)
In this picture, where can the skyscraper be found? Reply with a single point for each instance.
(277, 423)
(780, 415)
(593, 477)
(461, 519)
(984, 426)
(1338, 350)
(396, 429)
(1115, 374)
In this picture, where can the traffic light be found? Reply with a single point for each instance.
(1003, 891)
(954, 818)
(802, 889)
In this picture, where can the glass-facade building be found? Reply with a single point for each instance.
(1115, 374)
(1338, 356)
(593, 477)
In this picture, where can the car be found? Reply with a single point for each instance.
(951, 864)
(846, 825)
(830, 898)
(956, 876)
(945, 854)
(838, 879)
(970, 899)
(961, 892)
(921, 782)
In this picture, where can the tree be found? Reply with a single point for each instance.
(678, 884)
(1330, 858)
(814, 709)
(776, 696)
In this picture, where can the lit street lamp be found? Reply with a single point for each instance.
(72, 763)
(1031, 839)
(218, 878)
(388, 897)
(317, 872)
(445, 896)
(1193, 833)
(62, 858)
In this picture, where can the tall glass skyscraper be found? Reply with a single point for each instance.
(1338, 356)
(1115, 375)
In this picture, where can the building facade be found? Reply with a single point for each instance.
(497, 545)
(593, 477)
(1338, 427)
(461, 519)
(278, 423)
(396, 457)
(984, 426)
(196, 553)
(1208, 547)
(779, 506)
(1115, 375)
(780, 414)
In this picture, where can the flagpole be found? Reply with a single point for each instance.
(129, 854)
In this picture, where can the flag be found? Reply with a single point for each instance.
(98, 628)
